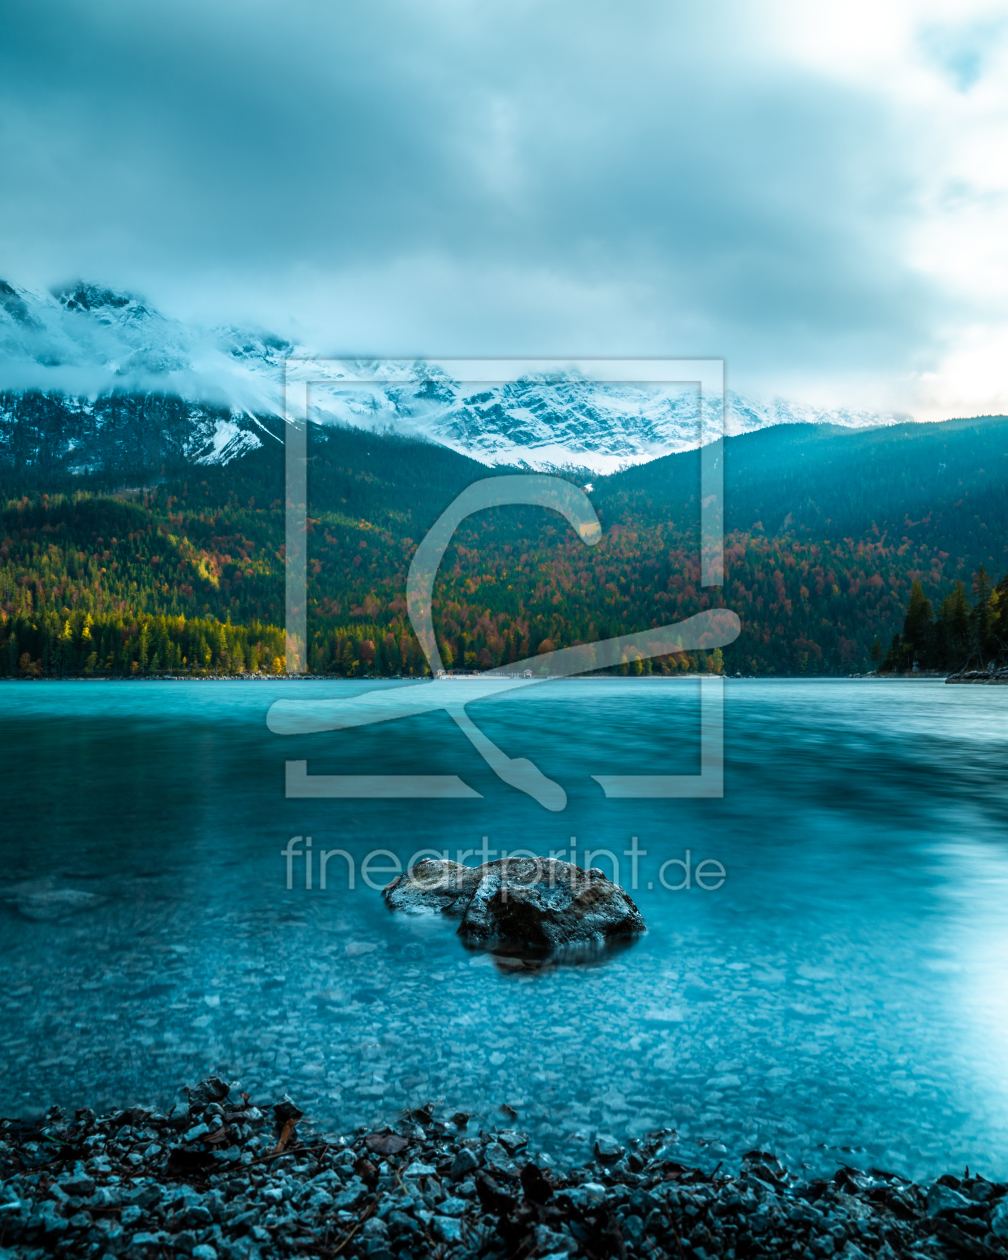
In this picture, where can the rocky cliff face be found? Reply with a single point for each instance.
(54, 432)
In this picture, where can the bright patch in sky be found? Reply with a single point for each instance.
(815, 193)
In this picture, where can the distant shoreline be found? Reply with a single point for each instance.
(640, 678)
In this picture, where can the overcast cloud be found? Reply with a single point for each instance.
(819, 197)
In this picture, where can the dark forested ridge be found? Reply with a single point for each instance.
(46, 435)
(148, 562)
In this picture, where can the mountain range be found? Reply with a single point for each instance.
(94, 378)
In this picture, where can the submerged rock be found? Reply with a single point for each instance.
(536, 903)
(48, 907)
(45, 902)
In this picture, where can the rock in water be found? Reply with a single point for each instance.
(44, 901)
(49, 907)
(536, 903)
(433, 886)
(545, 903)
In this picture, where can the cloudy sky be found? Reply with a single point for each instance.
(817, 193)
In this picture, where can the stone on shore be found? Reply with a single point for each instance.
(537, 903)
(134, 1184)
(995, 675)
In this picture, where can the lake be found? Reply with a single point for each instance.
(842, 995)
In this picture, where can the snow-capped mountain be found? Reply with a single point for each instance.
(86, 339)
(548, 420)
(85, 344)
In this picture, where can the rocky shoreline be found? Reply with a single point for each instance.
(993, 675)
(225, 1178)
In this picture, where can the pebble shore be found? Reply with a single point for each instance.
(226, 1178)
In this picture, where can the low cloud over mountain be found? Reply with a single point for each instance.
(86, 341)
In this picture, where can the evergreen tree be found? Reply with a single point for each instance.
(959, 618)
(917, 629)
(980, 617)
(894, 657)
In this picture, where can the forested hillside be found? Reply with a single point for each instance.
(827, 531)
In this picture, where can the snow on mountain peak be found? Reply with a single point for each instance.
(91, 297)
(86, 339)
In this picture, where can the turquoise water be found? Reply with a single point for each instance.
(841, 996)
